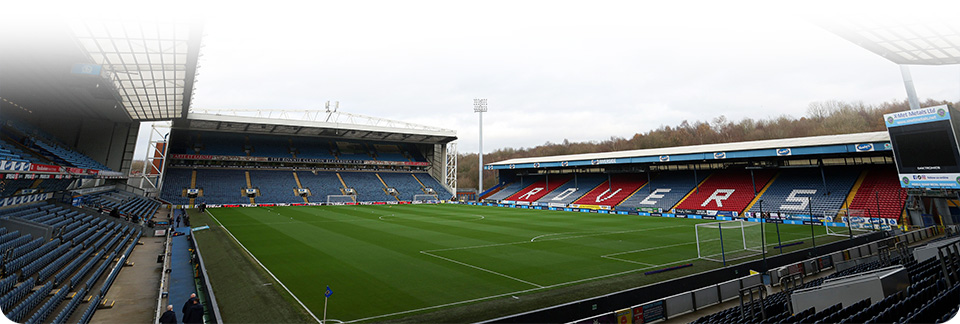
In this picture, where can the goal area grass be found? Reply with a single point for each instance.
(440, 263)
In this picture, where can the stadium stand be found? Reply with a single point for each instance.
(53, 185)
(880, 189)
(928, 299)
(36, 268)
(389, 152)
(664, 190)
(222, 186)
(430, 182)
(47, 146)
(406, 184)
(513, 187)
(788, 193)
(321, 184)
(275, 186)
(579, 185)
(613, 191)
(12, 153)
(540, 188)
(12, 187)
(269, 146)
(215, 143)
(311, 148)
(727, 190)
(367, 185)
(174, 184)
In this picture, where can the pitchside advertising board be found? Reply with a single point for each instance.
(925, 147)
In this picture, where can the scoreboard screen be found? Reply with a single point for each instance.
(925, 147)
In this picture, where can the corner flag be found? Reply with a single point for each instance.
(328, 293)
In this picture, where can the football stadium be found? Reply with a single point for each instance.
(299, 216)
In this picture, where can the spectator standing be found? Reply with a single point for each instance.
(194, 313)
(168, 317)
(186, 306)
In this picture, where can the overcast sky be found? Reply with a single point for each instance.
(551, 71)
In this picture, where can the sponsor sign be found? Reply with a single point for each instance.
(664, 158)
(930, 180)
(625, 316)
(917, 116)
(653, 311)
(19, 200)
(720, 155)
(44, 168)
(650, 209)
(784, 152)
(294, 160)
(866, 147)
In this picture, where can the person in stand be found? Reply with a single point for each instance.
(168, 317)
(186, 306)
(115, 213)
(194, 313)
(178, 221)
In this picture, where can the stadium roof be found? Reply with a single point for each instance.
(778, 147)
(113, 70)
(151, 65)
(930, 42)
(314, 123)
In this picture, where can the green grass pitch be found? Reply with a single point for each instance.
(384, 262)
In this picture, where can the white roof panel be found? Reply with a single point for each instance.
(709, 148)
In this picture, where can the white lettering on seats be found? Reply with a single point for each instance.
(600, 197)
(802, 202)
(656, 194)
(719, 196)
(532, 192)
(565, 193)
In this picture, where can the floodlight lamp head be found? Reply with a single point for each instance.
(480, 105)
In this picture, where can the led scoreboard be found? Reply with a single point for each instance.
(925, 147)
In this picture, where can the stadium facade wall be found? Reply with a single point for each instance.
(641, 295)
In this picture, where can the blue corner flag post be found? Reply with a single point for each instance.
(326, 295)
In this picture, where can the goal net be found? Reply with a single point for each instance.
(425, 198)
(857, 222)
(341, 199)
(728, 240)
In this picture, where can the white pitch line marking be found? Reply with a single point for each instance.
(552, 234)
(562, 238)
(481, 269)
(265, 268)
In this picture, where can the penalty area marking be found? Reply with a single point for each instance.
(514, 292)
(473, 217)
(552, 234)
(265, 268)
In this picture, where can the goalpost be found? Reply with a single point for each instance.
(425, 198)
(728, 240)
(340, 199)
(857, 222)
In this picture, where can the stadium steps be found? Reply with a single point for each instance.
(249, 185)
(385, 186)
(692, 191)
(633, 193)
(35, 184)
(422, 187)
(193, 184)
(762, 191)
(299, 185)
(853, 191)
(344, 184)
